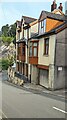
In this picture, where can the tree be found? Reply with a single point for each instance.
(8, 33)
(4, 30)
(4, 64)
(12, 30)
(7, 40)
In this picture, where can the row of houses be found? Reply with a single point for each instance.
(41, 49)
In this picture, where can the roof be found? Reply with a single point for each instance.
(21, 40)
(28, 19)
(52, 15)
(53, 31)
(57, 10)
(63, 25)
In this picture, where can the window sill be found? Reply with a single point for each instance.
(45, 55)
(33, 56)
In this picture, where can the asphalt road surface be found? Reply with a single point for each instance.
(19, 103)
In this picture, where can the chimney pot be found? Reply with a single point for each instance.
(60, 7)
(53, 6)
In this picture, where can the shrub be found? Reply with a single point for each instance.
(5, 64)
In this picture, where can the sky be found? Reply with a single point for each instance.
(12, 11)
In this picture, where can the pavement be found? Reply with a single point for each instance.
(40, 89)
(60, 92)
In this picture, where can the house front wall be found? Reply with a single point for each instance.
(46, 59)
(61, 45)
(26, 54)
(34, 74)
(33, 29)
(46, 77)
(61, 60)
(21, 35)
(42, 59)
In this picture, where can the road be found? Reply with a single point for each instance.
(19, 103)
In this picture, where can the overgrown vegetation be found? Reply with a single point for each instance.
(5, 63)
(8, 33)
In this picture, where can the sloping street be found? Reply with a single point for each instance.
(19, 103)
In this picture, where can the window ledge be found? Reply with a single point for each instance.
(33, 56)
(45, 55)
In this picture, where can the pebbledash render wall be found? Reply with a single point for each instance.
(34, 74)
(60, 72)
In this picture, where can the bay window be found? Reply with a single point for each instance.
(33, 49)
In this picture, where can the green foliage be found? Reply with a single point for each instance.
(4, 64)
(9, 30)
(12, 30)
(8, 33)
(5, 30)
(7, 39)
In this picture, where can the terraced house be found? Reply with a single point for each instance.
(41, 49)
(22, 49)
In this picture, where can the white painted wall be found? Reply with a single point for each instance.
(42, 59)
(46, 59)
(25, 33)
(52, 42)
(33, 29)
(21, 35)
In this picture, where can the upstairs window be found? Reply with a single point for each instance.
(42, 26)
(33, 49)
(23, 48)
(18, 35)
(30, 52)
(18, 49)
(46, 46)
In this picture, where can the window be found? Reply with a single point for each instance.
(23, 48)
(42, 26)
(46, 46)
(34, 49)
(35, 44)
(30, 49)
(18, 49)
(23, 51)
(28, 33)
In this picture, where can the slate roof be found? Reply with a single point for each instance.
(28, 19)
(21, 40)
(53, 15)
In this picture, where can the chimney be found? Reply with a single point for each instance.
(53, 6)
(60, 7)
(66, 12)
